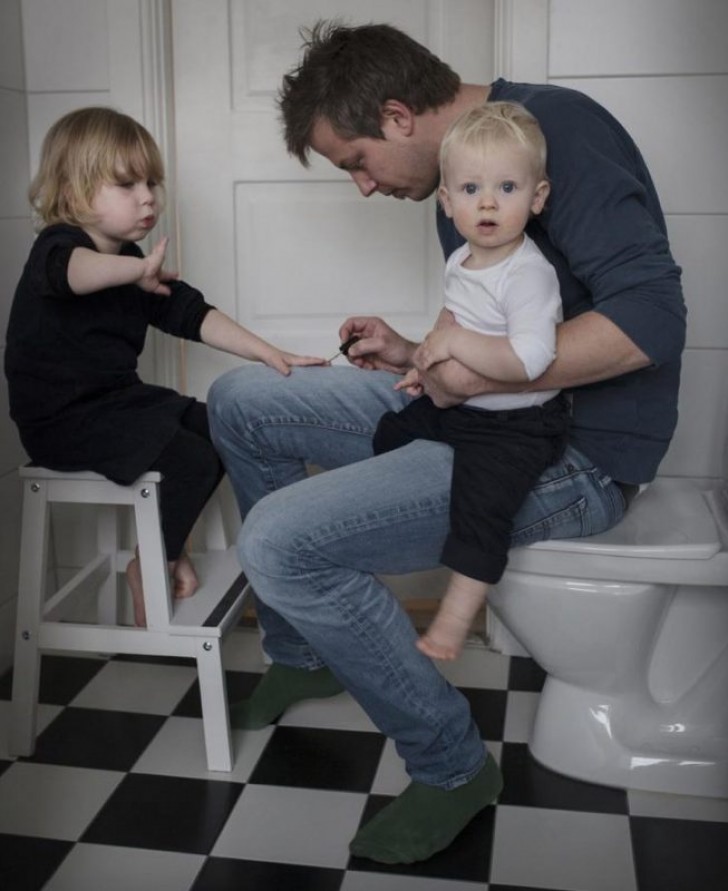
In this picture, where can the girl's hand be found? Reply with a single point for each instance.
(283, 362)
(153, 275)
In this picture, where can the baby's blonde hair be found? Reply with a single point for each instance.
(83, 150)
(493, 124)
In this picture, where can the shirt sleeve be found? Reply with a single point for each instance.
(181, 313)
(49, 259)
(604, 217)
(532, 307)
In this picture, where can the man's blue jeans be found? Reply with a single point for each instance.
(314, 546)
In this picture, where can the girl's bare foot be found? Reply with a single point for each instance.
(134, 580)
(184, 577)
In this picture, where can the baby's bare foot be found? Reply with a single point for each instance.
(134, 580)
(184, 577)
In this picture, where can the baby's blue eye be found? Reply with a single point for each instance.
(509, 187)
(470, 188)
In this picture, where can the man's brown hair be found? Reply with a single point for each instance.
(347, 74)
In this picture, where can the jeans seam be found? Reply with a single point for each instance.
(368, 634)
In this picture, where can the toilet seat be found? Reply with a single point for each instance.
(669, 535)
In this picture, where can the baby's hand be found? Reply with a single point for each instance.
(434, 348)
(153, 275)
(411, 383)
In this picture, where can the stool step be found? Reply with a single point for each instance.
(218, 602)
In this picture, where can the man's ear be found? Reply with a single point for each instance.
(396, 117)
(443, 196)
(539, 196)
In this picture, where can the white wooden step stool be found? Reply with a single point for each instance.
(193, 627)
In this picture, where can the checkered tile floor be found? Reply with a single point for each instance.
(117, 795)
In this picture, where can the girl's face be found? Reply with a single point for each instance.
(490, 195)
(126, 210)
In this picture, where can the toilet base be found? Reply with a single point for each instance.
(575, 734)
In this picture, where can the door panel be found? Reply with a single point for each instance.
(291, 252)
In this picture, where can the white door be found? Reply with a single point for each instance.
(291, 252)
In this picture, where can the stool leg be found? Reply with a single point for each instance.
(107, 537)
(31, 595)
(213, 695)
(152, 556)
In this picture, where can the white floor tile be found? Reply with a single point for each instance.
(281, 824)
(52, 801)
(335, 713)
(520, 715)
(96, 867)
(372, 881)
(391, 777)
(179, 750)
(151, 689)
(568, 850)
(677, 807)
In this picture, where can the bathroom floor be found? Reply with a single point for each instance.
(117, 795)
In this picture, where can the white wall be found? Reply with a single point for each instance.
(15, 239)
(661, 66)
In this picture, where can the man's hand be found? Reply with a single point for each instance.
(379, 347)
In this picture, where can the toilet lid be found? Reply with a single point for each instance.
(671, 519)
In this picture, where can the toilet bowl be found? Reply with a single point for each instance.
(631, 628)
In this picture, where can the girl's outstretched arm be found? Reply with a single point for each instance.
(223, 333)
(90, 271)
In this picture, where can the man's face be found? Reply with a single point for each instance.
(398, 165)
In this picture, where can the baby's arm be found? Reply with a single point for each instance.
(90, 271)
(223, 333)
(486, 354)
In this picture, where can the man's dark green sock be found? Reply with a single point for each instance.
(426, 819)
(278, 689)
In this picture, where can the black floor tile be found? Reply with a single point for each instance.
(522, 888)
(680, 855)
(529, 784)
(185, 661)
(343, 760)
(525, 675)
(489, 710)
(61, 678)
(240, 684)
(164, 813)
(27, 863)
(95, 738)
(219, 873)
(466, 860)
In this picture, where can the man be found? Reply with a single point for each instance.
(377, 104)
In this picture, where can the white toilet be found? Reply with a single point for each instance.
(631, 627)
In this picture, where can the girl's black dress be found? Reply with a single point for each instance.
(71, 364)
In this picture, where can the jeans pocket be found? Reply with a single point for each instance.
(569, 521)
